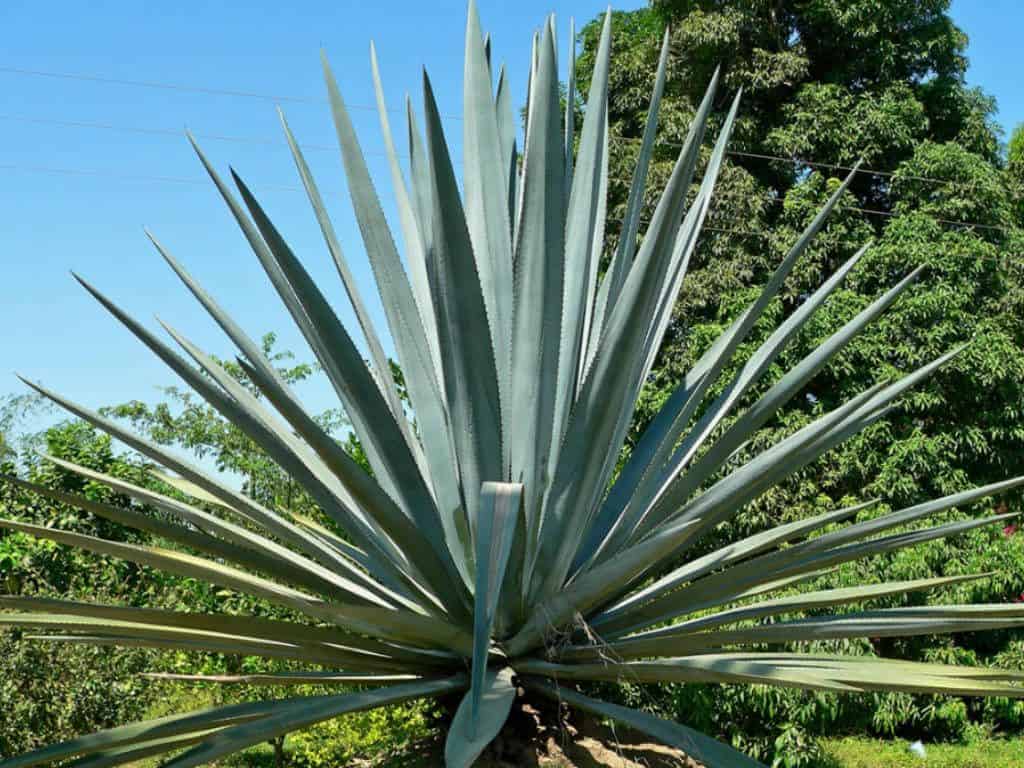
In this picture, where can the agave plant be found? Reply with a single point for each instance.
(498, 547)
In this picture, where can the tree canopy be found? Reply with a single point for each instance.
(826, 84)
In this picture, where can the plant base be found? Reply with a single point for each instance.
(539, 734)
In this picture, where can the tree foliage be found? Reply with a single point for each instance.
(828, 83)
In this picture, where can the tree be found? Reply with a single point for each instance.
(828, 83)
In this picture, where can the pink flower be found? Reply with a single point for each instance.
(1010, 530)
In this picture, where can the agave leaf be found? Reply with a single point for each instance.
(174, 637)
(246, 421)
(423, 207)
(766, 566)
(651, 441)
(380, 367)
(539, 272)
(622, 259)
(888, 623)
(413, 238)
(469, 736)
(793, 670)
(911, 514)
(641, 478)
(257, 368)
(303, 712)
(814, 600)
(715, 590)
(731, 553)
(404, 318)
(241, 504)
(352, 553)
(791, 383)
(500, 510)
(141, 750)
(177, 563)
(253, 410)
(424, 392)
(507, 134)
(335, 583)
(680, 536)
(485, 199)
(252, 351)
(197, 540)
(391, 563)
(149, 730)
(202, 645)
(694, 743)
(289, 678)
(304, 322)
(582, 473)
(728, 496)
(584, 225)
(596, 586)
(396, 625)
(470, 370)
(189, 488)
(403, 627)
(346, 370)
(639, 644)
(658, 477)
(332, 638)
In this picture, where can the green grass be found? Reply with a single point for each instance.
(858, 752)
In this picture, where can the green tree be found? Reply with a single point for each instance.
(828, 83)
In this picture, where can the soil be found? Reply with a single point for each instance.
(547, 738)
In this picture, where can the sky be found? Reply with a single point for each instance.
(92, 150)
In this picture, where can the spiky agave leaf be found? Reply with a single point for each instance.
(489, 549)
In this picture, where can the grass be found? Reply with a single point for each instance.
(859, 752)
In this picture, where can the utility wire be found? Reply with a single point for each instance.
(306, 100)
(195, 181)
(266, 141)
(169, 132)
(320, 147)
(100, 173)
(182, 88)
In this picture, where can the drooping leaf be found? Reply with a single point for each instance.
(500, 510)
(469, 736)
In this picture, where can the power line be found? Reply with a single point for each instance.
(195, 181)
(101, 173)
(183, 88)
(776, 200)
(277, 98)
(280, 98)
(266, 141)
(169, 132)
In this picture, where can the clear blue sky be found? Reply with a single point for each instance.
(92, 221)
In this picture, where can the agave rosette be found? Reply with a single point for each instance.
(490, 550)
